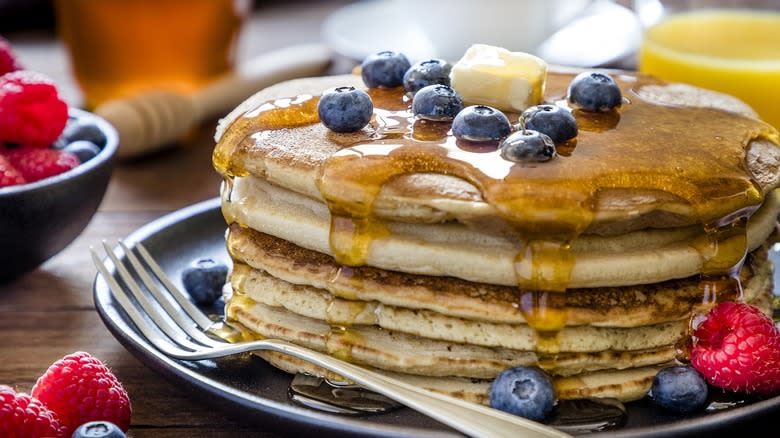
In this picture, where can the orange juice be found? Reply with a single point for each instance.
(732, 51)
(119, 48)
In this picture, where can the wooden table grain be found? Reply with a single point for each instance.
(49, 312)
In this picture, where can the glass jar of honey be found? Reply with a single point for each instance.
(120, 48)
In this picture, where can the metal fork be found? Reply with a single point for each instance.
(176, 327)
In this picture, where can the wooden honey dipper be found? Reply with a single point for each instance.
(150, 121)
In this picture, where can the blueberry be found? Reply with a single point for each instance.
(679, 389)
(98, 429)
(345, 109)
(204, 279)
(82, 130)
(528, 145)
(384, 69)
(481, 123)
(557, 122)
(524, 391)
(594, 91)
(437, 103)
(84, 149)
(428, 72)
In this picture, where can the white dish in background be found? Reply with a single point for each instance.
(605, 34)
(362, 28)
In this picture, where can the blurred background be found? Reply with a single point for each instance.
(30, 26)
(573, 33)
(16, 15)
(22, 15)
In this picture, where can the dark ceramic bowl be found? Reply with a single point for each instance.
(39, 219)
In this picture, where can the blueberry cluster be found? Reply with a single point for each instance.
(347, 109)
(541, 127)
(485, 124)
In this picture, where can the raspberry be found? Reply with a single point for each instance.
(80, 388)
(8, 61)
(31, 111)
(737, 347)
(35, 163)
(9, 175)
(22, 416)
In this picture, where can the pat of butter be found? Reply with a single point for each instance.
(494, 76)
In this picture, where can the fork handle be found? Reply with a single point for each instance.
(469, 418)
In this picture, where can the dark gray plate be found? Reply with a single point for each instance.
(254, 391)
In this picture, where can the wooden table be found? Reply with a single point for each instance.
(49, 312)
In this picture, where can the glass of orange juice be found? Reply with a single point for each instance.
(120, 48)
(732, 47)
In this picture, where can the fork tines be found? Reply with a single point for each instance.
(158, 308)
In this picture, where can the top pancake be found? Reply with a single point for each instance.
(629, 193)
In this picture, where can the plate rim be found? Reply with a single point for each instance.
(325, 422)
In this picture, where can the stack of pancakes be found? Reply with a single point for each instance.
(408, 252)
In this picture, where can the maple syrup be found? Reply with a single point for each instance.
(641, 146)
(695, 154)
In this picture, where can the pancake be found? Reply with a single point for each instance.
(420, 341)
(453, 249)
(443, 361)
(320, 305)
(624, 385)
(399, 352)
(258, 256)
(292, 158)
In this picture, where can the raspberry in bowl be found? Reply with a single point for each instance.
(55, 164)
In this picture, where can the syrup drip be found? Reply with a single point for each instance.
(279, 114)
(340, 340)
(693, 154)
(346, 281)
(345, 313)
(722, 261)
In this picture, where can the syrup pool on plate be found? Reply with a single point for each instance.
(733, 51)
